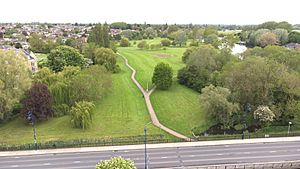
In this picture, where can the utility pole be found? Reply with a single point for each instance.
(31, 118)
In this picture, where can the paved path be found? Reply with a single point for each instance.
(167, 155)
(151, 111)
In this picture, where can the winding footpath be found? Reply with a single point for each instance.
(151, 111)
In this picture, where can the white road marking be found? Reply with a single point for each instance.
(47, 164)
(273, 151)
(13, 166)
(164, 157)
(76, 162)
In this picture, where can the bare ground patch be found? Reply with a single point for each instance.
(164, 55)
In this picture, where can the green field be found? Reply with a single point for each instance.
(121, 113)
(177, 108)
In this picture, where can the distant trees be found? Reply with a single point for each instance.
(116, 162)
(124, 42)
(15, 79)
(99, 35)
(38, 100)
(63, 56)
(40, 45)
(267, 38)
(82, 114)
(119, 25)
(162, 76)
(107, 58)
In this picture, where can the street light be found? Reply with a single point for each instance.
(31, 118)
(145, 141)
(289, 128)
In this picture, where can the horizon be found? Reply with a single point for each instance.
(214, 12)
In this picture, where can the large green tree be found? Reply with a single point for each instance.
(162, 76)
(15, 79)
(107, 58)
(100, 36)
(217, 107)
(63, 56)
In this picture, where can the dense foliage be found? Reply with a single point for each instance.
(38, 100)
(162, 76)
(107, 58)
(116, 162)
(14, 81)
(82, 114)
(63, 56)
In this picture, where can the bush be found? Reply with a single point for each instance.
(107, 58)
(81, 114)
(165, 42)
(143, 45)
(155, 46)
(124, 42)
(61, 110)
(194, 43)
(162, 76)
(117, 163)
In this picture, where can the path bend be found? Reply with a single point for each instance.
(150, 108)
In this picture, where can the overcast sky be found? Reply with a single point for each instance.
(151, 11)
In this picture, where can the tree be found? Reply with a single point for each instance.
(215, 103)
(82, 114)
(89, 51)
(116, 162)
(230, 40)
(63, 56)
(264, 115)
(14, 81)
(39, 45)
(124, 42)
(99, 35)
(162, 76)
(213, 40)
(252, 80)
(187, 53)
(150, 33)
(119, 25)
(267, 38)
(107, 58)
(38, 100)
(281, 35)
(180, 38)
(91, 84)
(294, 37)
(165, 42)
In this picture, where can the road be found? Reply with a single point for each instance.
(163, 157)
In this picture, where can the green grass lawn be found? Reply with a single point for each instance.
(177, 108)
(121, 113)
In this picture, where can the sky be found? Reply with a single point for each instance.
(238, 12)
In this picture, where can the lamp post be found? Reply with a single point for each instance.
(31, 118)
(247, 109)
(289, 128)
(145, 141)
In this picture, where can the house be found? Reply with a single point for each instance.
(31, 58)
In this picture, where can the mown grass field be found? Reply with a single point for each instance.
(177, 108)
(121, 113)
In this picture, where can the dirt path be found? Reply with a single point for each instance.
(151, 111)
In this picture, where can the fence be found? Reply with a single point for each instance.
(266, 165)
(247, 136)
(151, 139)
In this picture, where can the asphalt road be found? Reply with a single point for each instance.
(163, 157)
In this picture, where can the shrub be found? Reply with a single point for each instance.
(117, 163)
(165, 42)
(124, 42)
(143, 45)
(81, 114)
